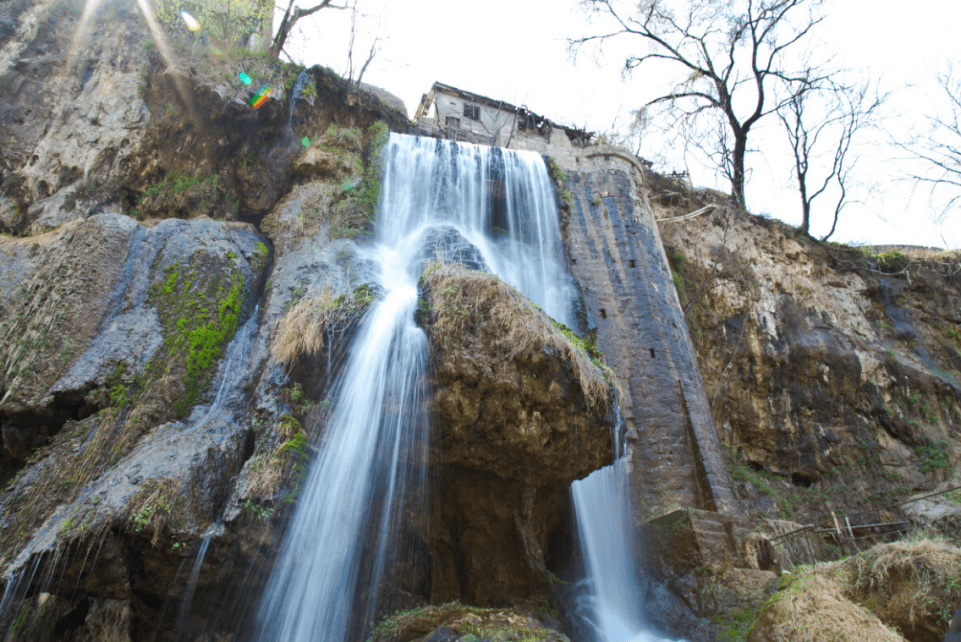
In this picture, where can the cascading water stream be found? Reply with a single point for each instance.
(435, 201)
(613, 601)
(233, 373)
(297, 91)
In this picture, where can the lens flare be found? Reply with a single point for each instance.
(305, 141)
(190, 21)
(262, 95)
(244, 78)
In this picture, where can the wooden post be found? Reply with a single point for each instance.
(837, 527)
(851, 533)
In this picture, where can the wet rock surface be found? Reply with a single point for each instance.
(615, 254)
(135, 320)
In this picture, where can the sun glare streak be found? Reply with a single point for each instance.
(156, 30)
(89, 9)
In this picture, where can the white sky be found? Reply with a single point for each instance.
(516, 50)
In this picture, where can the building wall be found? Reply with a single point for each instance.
(494, 127)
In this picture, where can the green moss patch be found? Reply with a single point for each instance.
(277, 476)
(199, 310)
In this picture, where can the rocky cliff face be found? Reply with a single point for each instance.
(833, 372)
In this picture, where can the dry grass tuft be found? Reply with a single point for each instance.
(912, 584)
(813, 607)
(311, 323)
(463, 300)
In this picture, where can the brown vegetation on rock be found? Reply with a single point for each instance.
(912, 585)
(812, 607)
(909, 587)
(306, 329)
(517, 326)
(486, 623)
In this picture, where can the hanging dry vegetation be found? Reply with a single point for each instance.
(311, 324)
(462, 299)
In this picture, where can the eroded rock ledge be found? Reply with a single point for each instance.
(513, 394)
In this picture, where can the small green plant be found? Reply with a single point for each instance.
(734, 624)
(934, 456)
(553, 579)
(259, 511)
(742, 472)
(297, 393)
(66, 526)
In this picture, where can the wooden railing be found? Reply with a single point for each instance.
(845, 533)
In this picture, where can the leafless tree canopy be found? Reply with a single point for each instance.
(821, 121)
(938, 150)
(729, 58)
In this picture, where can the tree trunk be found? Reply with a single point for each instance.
(737, 167)
(805, 227)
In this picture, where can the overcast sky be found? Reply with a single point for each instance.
(516, 50)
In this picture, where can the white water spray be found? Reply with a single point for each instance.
(435, 200)
(613, 604)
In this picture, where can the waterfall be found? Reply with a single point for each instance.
(492, 209)
(613, 601)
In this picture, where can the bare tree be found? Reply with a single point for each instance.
(821, 121)
(728, 56)
(291, 16)
(938, 150)
(350, 49)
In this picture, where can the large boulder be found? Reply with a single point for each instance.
(520, 410)
(897, 591)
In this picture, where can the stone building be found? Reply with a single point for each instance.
(455, 114)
